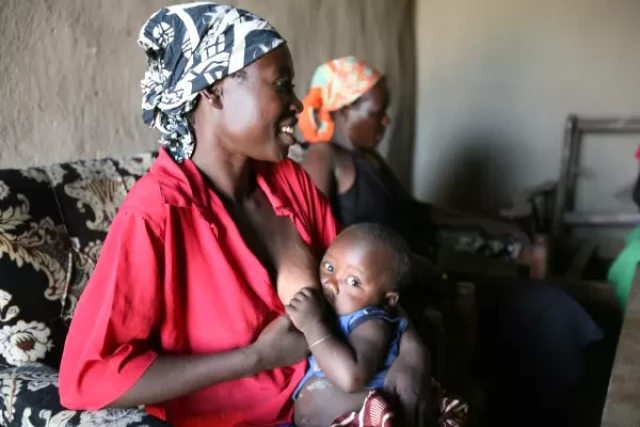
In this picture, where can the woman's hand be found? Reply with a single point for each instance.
(280, 344)
(409, 379)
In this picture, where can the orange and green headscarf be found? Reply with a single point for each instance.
(334, 85)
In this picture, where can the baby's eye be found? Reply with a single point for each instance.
(327, 266)
(352, 281)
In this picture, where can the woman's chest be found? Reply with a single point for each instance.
(218, 292)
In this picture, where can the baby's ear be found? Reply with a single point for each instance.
(391, 298)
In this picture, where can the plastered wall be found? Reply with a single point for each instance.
(70, 69)
(496, 80)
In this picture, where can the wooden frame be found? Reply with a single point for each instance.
(564, 205)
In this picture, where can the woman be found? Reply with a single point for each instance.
(343, 122)
(181, 313)
(532, 336)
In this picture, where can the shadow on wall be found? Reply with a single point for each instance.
(478, 178)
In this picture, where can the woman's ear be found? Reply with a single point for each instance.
(391, 298)
(213, 95)
(344, 111)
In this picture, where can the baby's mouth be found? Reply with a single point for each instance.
(330, 297)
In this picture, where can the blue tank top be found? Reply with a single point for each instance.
(346, 325)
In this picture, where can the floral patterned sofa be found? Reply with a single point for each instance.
(53, 221)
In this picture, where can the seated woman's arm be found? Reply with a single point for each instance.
(111, 352)
(439, 218)
(319, 162)
(409, 378)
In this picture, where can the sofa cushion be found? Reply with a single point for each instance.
(90, 193)
(34, 268)
(53, 221)
(29, 398)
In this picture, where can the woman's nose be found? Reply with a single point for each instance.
(386, 120)
(296, 104)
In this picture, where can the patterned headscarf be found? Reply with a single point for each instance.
(189, 47)
(334, 85)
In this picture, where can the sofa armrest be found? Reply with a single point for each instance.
(29, 398)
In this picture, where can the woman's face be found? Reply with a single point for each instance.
(259, 110)
(366, 119)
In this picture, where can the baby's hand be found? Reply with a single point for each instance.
(305, 309)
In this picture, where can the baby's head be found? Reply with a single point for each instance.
(365, 265)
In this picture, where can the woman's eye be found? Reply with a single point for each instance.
(328, 267)
(352, 281)
(286, 85)
(377, 114)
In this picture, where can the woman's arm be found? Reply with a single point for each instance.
(170, 377)
(409, 378)
(438, 217)
(441, 217)
(349, 366)
(110, 356)
(319, 162)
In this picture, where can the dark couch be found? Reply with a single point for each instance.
(53, 221)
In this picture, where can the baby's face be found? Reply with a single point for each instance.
(356, 272)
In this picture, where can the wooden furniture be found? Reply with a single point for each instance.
(565, 213)
(550, 208)
(622, 406)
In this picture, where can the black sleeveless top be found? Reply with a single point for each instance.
(376, 196)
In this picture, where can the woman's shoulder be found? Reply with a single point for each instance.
(145, 199)
(289, 181)
(287, 172)
(319, 151)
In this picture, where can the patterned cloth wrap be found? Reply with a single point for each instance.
(189, 47)
(376, 412)
(334, 85)
(451, 411)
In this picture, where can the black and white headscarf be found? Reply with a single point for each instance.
(189, 47)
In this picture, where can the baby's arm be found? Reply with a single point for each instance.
(350, 365)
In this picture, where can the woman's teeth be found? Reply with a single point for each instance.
(287, 129)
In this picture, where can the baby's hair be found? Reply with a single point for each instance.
(396, 245)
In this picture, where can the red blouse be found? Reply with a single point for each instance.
(175, 276)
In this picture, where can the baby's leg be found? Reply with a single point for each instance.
(319, 403)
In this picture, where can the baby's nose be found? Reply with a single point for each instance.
(331, 286)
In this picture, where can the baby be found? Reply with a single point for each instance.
(361, 274)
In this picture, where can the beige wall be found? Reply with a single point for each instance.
(496, 80)
(70, 69)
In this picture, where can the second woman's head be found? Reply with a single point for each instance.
(347, 102)
(218, 75)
